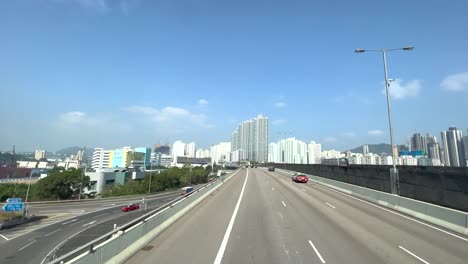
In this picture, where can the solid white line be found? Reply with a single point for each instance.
(69, 222)
(53, 232)
(90, 223)
(316, 251)
(27, 245)
(283, 204)
(4, 237)
(272, 188)
(222, 248)
(414, 255)
(330, 205)
(303, 189)
(390, 211)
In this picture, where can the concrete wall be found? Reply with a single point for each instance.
(445, 186)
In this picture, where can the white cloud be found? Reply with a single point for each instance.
(455, 82)
(171, 115)
(376, 132)
(73, 117)
(100, 5)
(202, 102)
(278, 122)
(280, 104)
(330, 139)
(400, 90)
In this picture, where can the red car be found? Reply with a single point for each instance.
(130, 207)
(300, 178)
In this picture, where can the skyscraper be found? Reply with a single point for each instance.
(452, 143)
(365, 149)
(178, 150)
(252, 137)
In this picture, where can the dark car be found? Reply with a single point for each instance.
(130, 207)
(271, 168)
(300, 178)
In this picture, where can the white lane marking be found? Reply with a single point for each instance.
(330, 205)
(90, 223)
(316, 251)
(27, 245)
(99, 215)
(77, 222)
(283, 203)
(304, 189)
(272, 188)
(390, 211)
(223, 245)
(53, 232)
(4, 237)
(69, 222)
(414, 255)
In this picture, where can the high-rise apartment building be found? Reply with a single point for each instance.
(202, 153)
(315, 153)
(452, 143)
(178, 150)
(220, 152)
(39, 154)
(190, 150)
(365, 149)
(100, 159)
(252, 137)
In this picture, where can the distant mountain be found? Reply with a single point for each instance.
(375, 148)
(73, 150)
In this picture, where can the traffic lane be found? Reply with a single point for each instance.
(64, 215)
(196, 237)
(99, 228)
(428, 243)
(331, 236)
(93, 204)
(263, 232)
(48, 238)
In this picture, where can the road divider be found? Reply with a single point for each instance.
(120, 244)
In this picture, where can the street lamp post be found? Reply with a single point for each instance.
(394, 179)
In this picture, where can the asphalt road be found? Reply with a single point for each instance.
(279, 221)
(69, 226)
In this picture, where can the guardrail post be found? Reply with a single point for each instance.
(91, 249)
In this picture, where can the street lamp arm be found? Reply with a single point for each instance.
(407, 48)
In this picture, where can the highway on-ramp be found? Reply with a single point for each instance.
(69, 226)
(263, 217)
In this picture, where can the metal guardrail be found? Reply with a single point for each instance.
(92, 246)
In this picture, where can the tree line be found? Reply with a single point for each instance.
(61, 184)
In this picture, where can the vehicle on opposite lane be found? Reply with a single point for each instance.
(300, 178)
(271, 168)
(130, 207)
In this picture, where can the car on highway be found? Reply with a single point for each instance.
(271, 168)
(130, 207)
(300, 178)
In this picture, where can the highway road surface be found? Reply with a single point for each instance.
(69, 226)
(263, 217)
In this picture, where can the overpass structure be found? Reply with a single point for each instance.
(260, 216)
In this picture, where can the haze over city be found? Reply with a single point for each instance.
(114, 73)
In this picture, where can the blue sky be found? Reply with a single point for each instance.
(135, 72)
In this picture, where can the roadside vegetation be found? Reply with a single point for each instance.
(169, 179)
(63, 184)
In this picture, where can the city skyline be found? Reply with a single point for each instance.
(153, 71)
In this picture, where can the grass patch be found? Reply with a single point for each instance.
(6, 216)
